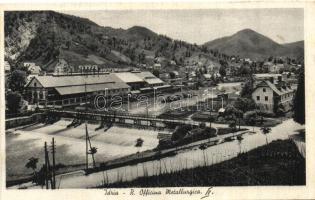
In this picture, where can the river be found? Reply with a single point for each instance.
(185, 159)
(70, 144)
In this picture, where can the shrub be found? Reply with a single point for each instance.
(266, 114)
(180, 132)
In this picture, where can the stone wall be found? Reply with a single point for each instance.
(20, 121)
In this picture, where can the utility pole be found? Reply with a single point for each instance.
(47, 169)
(211, 98)
(46, 166)
(86, 134)
(92, 153)
(147, 115)
(54, 164)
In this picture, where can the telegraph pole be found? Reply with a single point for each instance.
(86, 134)
(54, 164)
(47, 169)
(46, 165)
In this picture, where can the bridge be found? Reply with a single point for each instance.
(122, 118)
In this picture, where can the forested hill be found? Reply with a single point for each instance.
(44, 37)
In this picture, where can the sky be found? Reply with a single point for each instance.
(282, 25)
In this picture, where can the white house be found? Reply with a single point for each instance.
(32, 67)
(268, 95)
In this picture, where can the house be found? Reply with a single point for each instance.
(248, 60)
(268, 96)
(273, 78)
(207, 77)
(175, 74)
(7, 67)
(172, 62)
(213, 68)
(62, 67)
(32, 67)
(276, 68)
(157, 66)
(164, 76)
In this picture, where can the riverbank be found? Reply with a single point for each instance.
(278, 163)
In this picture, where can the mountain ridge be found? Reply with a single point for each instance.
(251, 44)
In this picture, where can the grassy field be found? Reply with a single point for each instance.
(278, 163)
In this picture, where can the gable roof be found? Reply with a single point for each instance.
(274, 88)
(128, 77)
(60, 81)
(149, 78)
(90, 88)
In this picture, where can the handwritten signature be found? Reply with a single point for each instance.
(208, 193)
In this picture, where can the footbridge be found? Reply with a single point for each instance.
(122, 118)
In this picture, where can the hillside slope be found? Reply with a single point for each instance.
(44, 37)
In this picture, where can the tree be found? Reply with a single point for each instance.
(17, 80)
(222, 71)
(231, 113)
(250, 118)
(180, 132)
(265, 131)
(244, 104)
(299, 100)
(32, 163)
(211, 119)
(244, 70)
(203, 147)
(172, 75)
(13, 100)
(280, 110)
(239, 139)
(139, 143)
(232, 125)
(248, 88)
(156, 73)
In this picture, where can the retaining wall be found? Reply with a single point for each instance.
(20, 121)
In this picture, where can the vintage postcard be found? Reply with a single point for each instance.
(157, 101)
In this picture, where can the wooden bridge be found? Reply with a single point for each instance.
(122, 118)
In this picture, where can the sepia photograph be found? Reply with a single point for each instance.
(154, 98)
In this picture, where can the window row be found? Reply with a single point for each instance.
(258, 98)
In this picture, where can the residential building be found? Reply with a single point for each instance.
(32, 68)
(268, 96)
(7, 67)
(273, 78)
(157, 66)
(207, 77)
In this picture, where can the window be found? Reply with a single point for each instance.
(258, 98)
(35, 84)
(264, 89)
(266, 98)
